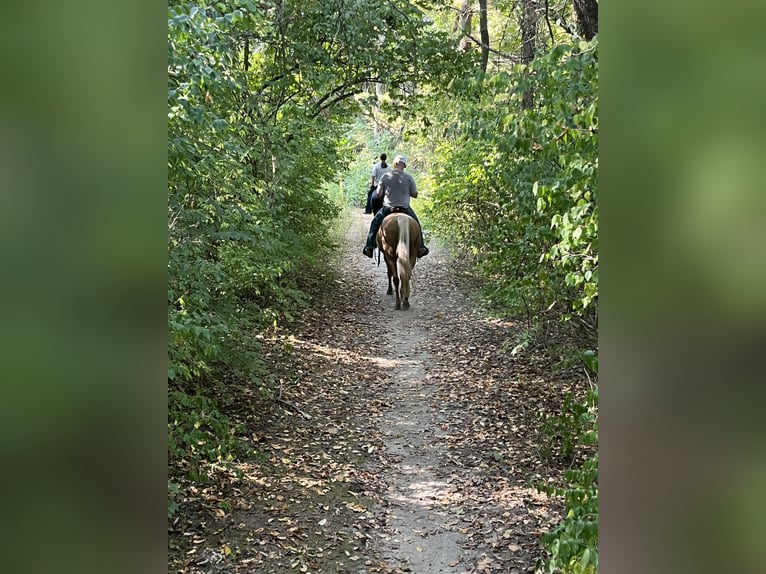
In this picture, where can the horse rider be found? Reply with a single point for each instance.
(396, 188)
(378, 170)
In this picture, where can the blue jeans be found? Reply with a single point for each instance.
(378, 219)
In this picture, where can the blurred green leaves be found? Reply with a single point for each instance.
(684, 301)
(82, 233)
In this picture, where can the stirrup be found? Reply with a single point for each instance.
(423, 251)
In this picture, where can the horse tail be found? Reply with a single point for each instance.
(403, 263)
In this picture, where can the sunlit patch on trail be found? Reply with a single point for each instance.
(427, 493)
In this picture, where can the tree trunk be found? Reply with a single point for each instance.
(463, 22)
(587, 17)
(484, 30)
(528, 39)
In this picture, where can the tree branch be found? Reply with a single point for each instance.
(281, 401)
(548, 21)
(510, 58)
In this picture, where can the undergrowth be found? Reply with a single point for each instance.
(570, 436)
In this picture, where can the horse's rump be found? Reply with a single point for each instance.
(398, 240)
(399, 231)
(403, 260)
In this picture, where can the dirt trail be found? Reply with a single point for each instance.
(417, 491)
(432, 510)
(403, 441)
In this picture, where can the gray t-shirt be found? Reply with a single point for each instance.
(397, 187)
(379, 171)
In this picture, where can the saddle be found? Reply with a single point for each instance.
(397, 210)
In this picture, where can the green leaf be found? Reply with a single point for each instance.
(591, 360)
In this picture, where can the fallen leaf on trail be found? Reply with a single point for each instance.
(484, 565)
(355, 507)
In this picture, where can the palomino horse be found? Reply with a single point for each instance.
(398, 240)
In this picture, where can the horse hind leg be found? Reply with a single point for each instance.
(405, 291)
(390, 268)
(398, 299)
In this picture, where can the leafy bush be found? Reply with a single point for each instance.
(575, 425)
(199, 435)
(256, 114)
(517, 188)
(573, 545)
(243, 197)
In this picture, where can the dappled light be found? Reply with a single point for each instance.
(428, 494)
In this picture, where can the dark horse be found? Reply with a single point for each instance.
(398, 241)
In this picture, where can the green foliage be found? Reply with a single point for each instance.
(257, 104)
(573, 545)
(243, 194)
(590, 359)
(517, 188)
(199, 435)
(365, 149)
(172, 493)
(574, 425)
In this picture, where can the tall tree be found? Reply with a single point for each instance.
(463, 21)
(484, 31)
(587, 17)
(528, 41)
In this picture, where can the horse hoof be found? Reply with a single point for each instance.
(398, 306)
(406, 304)
(390, 292)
